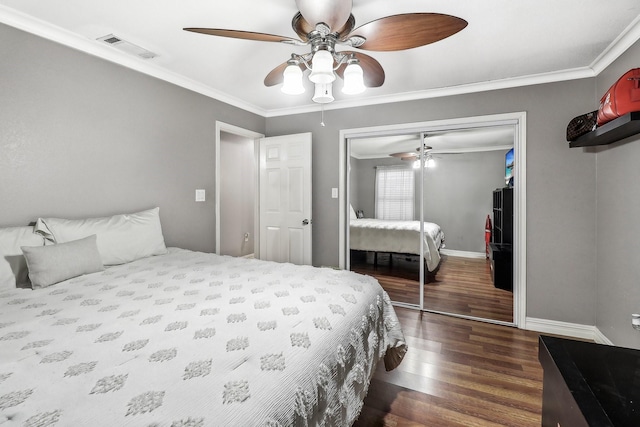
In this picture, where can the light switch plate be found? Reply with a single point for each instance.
(334, 193)
(200, 195)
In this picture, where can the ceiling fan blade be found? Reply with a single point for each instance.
(373, 72)
(406, 31)
(404, 155)
(276, 76)
(246, 35)
(303, 28)
(347, 27)
(334, 13)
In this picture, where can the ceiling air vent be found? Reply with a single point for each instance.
(127, 47)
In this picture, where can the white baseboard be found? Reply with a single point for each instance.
(601, 338)
(463, 254)
(573, 330)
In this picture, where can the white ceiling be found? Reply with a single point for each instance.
(507, 43)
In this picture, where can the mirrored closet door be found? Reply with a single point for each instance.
(418, 209)
(385, 194)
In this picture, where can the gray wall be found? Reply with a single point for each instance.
(618, 222)
(356, 182)
(237, 194)
(81, 137)
(457, 193)
(561, 254)
(363, 183)
(458, 196)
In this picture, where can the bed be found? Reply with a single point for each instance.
(397, 237)
(183, 338)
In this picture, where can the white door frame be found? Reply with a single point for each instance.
(249, 134)
(519, 120)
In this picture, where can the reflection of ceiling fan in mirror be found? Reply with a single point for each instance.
(324, 24)
(414, 156)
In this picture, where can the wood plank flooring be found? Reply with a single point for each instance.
(458, 373)
(462, 285)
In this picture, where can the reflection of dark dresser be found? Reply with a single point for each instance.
(501, 265)
(500, 249)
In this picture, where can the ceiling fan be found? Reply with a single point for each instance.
(324, 24)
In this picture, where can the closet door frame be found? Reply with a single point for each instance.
(518, 120)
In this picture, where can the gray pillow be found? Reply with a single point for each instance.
(52, 264)
(13, 268)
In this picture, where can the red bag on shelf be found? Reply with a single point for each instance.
(621, 98)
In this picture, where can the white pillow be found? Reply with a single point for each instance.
(13, 267)
(353, 213)
(54, 263)
(120, 238)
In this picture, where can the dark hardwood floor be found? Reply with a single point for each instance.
(462, 285)
(458, 373)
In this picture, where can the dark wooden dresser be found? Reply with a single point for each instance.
(589, 385)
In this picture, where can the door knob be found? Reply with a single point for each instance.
(305, 222)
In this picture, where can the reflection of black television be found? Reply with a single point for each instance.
(508, 168)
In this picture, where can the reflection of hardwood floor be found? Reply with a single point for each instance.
(457, 373)
(462, 286)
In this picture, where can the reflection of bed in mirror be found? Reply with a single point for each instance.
(398, 237)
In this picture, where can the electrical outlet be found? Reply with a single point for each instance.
(200, 195)
(246, 237)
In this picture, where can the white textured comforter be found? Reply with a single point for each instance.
(194, 339)
(381, 235)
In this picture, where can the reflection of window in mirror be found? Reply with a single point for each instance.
(360, 214)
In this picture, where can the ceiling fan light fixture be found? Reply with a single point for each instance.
(322, 67)
(429, 162)
(292, 84)
(353, 78)
(323, 93)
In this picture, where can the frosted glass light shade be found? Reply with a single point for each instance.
(292, 84)
(429, 162)
(323, 93)
(322, 68)
(353, 80)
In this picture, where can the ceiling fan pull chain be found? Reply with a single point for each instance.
(322, 115)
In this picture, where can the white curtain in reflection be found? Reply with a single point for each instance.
(395, 192)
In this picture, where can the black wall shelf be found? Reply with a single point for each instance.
(615, 130)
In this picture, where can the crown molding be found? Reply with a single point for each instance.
(624, 41)
(54, 33)
(535, 79)
(67, 38)
(621, 44)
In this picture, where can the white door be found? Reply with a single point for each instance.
(285, 198)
